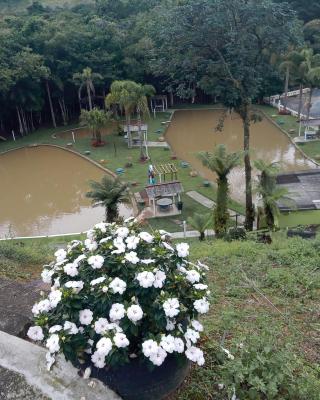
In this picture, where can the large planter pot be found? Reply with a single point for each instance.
(135, 381)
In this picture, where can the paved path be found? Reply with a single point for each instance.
(153, 144)
(16, 301)
(199, 198)
(24, 376)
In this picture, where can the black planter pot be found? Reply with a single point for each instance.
(135, 381)
(304, 234)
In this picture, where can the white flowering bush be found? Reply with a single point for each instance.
(121, 294)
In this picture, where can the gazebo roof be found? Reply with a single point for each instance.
(164, 189)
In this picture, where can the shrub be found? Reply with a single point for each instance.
(122, 293)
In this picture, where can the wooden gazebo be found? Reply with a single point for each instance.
(165, 190)
(159, 103)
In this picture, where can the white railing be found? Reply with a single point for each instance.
(274, 98)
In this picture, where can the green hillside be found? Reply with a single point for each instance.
(20, 5)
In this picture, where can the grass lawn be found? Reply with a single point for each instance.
(116, 154)
(265, 311)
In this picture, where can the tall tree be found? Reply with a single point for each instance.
(86, 79)
(222, 163)
(232, 42)
(269, 192)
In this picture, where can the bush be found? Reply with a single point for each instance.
(237, 233)
(122, 293)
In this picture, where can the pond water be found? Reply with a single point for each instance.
(194, 131)
(43, 192)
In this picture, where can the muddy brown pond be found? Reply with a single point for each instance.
(43, 192)
(194, 131)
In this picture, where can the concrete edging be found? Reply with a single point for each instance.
(62, 383)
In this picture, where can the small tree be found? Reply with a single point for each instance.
(200, 222)
(95, 119)
(109, 193)
(221, 163)
(269, 192)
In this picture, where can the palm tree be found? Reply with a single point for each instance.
(130, 97)
(269, 192)
(86, 79)
(95, 119)
(109, 193)
(221, 163)
(289, 65)
(200, 222)
(122, 95)
(141, 105)
(307, 71)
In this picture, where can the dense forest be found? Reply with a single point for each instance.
(49, 52)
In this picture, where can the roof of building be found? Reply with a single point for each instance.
(303, 190)
(164, 189)
(311, 122)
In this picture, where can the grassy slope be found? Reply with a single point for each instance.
(258, 288)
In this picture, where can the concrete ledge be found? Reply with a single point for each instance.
(62, 383)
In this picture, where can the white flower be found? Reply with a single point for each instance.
(87, 373)
(146, 279)
(85, 316)
(167, 246)
(132, 242)
(106, 239)
(101, 326)
(170, 325)
(149, 347)
(200, 286)
(192, 335)
(159, 357)
(70, 327)
(193, 276)
(229, 355)
(79, 259)
(76, 286)
(50, 360)
(105, 289)
(55, 328)
(178, 345)
(52, 343)
(202, 305)
(120, 249)
(146, 237)
(91, 234)
(71, 269)
(114, 326)
(118, 286)
(203, 266)
(160, 277)
(117, 312)
(96, 262)
(182, 249)
(171, 307)
(147, 261)
(42, 306)
(60, 255)
(167, 343)
(35, 333)
(195, 354)
(134, 313)
(46, 275)
(132, 257)
(73, 245)
(120, 340)
(98, 359)
(55, 298)
(56, 283)
(196, 325)
(102, 226)
(104, 346)
(91, 245)
(122, 232)
(97, 281)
